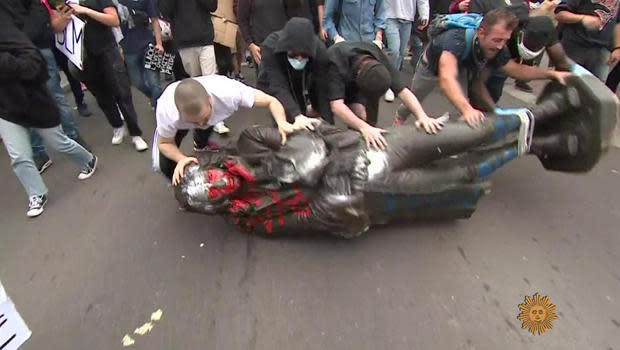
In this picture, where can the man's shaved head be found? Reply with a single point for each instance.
(192, 101)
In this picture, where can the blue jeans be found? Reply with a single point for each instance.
(145, 80)
(397, 35)
(66, 113)
(16, 139)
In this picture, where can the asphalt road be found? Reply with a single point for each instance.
(109, 251)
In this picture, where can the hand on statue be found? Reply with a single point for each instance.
(180, 169)
(284, 129)
(473, 117)
(304, 123)
(430, 125)
(560, 76)
(374, 137)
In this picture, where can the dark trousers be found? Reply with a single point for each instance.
(76, 87)
(106, 77)
(613, 78)
(201, 136)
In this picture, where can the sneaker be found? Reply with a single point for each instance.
(398, 122)
(42, 162)
(118, 135)
(36, 204)
(389, 95)
(221, 128)
(523, 86)
(89, 169)
(83, 110)
(139, 143)
(210, 147)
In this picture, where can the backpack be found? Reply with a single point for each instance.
(468, 21)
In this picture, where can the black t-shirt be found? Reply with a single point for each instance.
(577, 35)
(97, 36)
(453, 41)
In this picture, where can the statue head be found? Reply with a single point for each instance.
(207, 189)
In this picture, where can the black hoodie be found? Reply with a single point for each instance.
(24, 98)
(295, 89)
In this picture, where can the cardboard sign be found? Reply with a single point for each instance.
(71, 41)
(13, 329)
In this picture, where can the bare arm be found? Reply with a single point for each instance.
(524, 72)
(156, 31)
(169, 149)
(342, 111)
(108, 17)
(448, 73)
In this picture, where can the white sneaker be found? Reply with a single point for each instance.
(118, 135)
(139, 143)
(221, 128)
(389, 95)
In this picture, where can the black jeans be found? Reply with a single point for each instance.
(76, 87)
(201, 136)
(105, 75)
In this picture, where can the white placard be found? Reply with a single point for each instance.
(71, 41)
(13, 330)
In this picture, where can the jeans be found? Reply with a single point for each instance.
(66, 113)
(397, 35)
(105, 76)
(17, 142)
(145, 80)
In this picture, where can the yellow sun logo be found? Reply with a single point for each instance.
(537, 314)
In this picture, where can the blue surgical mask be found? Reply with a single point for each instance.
(298, 64)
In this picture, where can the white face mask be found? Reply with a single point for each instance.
(298, 64)
(524, 52)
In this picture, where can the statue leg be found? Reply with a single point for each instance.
(449, 189)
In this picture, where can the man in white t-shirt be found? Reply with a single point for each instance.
(200, 103)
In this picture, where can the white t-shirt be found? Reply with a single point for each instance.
(227, 96)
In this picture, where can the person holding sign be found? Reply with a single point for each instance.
(105, 73)
(25, 102)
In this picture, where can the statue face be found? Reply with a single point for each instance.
(220, 183)
(537, 313)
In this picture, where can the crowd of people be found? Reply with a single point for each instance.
(314, 59)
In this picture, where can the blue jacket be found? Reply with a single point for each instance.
(359, 20)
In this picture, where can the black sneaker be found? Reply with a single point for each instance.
(83, 110)
(523, 86)
(42, 162)
(36, 204)
(88, 170)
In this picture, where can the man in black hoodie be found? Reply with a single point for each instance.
(26, 103)
(294, 61)
(192, 33)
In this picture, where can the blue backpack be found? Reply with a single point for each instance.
(468, 21)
